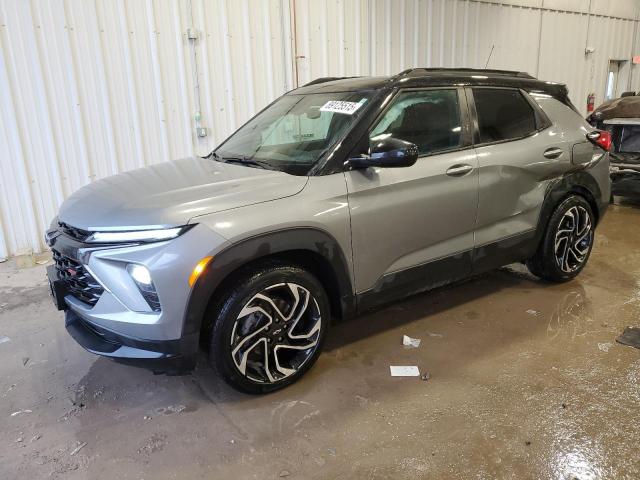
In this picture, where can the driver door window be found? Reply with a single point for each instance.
(428, 118)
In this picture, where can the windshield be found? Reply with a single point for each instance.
(294, 132)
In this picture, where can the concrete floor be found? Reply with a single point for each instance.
(526, 382)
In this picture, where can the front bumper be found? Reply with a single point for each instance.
(116, 321)
(171, 356)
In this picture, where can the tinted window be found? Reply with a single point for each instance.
(503, 114)
(430, 119)
(630, 139)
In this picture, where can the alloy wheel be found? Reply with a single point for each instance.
(573, 239)
(275, 333)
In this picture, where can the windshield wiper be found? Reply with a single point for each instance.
(243, 161)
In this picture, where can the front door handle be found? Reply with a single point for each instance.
(552, 152)
(459, 170)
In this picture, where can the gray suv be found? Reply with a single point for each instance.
(340, 196)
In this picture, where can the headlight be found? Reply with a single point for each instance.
(142, 277)
(137, 235)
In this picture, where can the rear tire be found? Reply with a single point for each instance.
(268, 327)
(567, 242)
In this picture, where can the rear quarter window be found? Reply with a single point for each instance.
(503, 114)
(563, 117)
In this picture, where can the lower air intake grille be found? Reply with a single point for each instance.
(80, 282)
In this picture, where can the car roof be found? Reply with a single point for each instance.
(435, 77)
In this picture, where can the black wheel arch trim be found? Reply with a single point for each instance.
(579, 183)
(237, 255)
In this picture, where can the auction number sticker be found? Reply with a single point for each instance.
(340, 106)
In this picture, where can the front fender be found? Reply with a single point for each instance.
(230, 259)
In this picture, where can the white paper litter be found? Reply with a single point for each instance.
(404, 371)
(533, 312)
(410, 342)
(4, 339)
(605, 346)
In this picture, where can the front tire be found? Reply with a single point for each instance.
(269, 327)
(567, 242)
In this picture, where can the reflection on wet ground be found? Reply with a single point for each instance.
(527, 381)
(572, 317)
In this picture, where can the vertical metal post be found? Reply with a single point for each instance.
(192, 38)
(631, 52)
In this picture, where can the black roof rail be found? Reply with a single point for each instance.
(406, 72)
(480, 71)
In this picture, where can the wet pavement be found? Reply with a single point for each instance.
(527, 381)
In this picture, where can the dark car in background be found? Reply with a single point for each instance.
(621, 118)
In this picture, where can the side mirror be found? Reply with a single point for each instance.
(387, 153)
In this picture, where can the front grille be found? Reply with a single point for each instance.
(79, 281)
(73, 232)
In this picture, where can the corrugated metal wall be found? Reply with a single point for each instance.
(93, 88)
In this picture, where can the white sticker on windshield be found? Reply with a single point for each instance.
(340, 106)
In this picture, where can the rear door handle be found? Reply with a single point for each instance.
(459, 170)
(552, 152)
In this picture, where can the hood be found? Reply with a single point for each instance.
(172, 193)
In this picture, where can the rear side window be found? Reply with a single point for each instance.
(503, 114)
(428, 118)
